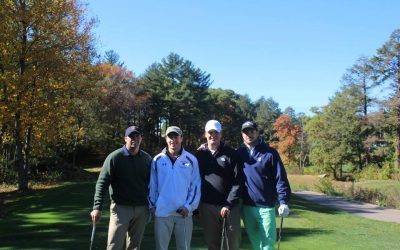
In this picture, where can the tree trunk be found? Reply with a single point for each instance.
(21, 166)
(19, 161)
(27, 151)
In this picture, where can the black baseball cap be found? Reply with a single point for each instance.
(249, 125)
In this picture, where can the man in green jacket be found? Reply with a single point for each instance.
(126, 173)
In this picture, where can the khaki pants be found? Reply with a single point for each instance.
(126, 223)
(211, 220)
(182, 228)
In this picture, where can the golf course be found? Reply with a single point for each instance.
(58, 218)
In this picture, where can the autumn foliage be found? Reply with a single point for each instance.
(286, 134)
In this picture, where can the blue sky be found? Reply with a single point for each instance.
(294, 51)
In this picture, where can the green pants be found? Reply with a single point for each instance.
(260, 226)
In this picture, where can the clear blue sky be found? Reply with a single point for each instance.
(294, 51)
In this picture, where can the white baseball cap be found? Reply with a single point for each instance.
(213, 125)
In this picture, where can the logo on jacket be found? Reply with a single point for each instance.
(185, 164)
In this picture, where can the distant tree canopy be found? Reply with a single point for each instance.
(63, 107)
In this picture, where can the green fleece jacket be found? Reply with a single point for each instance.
(127, 177)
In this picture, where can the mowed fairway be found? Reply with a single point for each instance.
(58, 218)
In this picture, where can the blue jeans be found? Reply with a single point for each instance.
(260, 226)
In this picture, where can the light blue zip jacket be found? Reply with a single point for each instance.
(174, 185)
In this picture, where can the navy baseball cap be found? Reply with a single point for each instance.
(132, 129)
(249, 125)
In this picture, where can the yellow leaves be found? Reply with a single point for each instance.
(6, 138)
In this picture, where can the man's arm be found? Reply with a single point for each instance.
(153, 185)
(103, 182)
(235, 192)
(282, 182)
(193, 199)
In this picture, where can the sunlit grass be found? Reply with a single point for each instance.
(58, 218)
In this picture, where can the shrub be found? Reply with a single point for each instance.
(311, 170)
(371, 172)
(370, 195)
(392, 198)
(326, 186)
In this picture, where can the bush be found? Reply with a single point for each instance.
(326, 186)
(374, 172)
(311, 170)
(370, 195)
(392, 198)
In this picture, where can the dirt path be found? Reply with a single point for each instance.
(356, 207)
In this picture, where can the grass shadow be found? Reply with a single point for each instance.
(58, 219)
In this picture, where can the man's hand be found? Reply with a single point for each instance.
(202, 146)
(96, 215)
(283, 210)
(225, 212)
(183, 211)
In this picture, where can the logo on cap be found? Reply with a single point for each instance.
(250, 125)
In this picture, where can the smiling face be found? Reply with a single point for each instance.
(213, 139)
(174, 142)
(250, 137)
(132, 142)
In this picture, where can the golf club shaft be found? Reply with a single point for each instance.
(92, 237)
(226, 238)
(223, 233)
(280, 232)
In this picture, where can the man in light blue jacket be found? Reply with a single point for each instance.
(174, 192)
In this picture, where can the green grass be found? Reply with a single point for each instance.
(59, 219)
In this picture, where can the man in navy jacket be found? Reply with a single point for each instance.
(265, 184)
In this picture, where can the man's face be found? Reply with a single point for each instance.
(213, 137)
(174, 141)
(250, 136)
(132, 141)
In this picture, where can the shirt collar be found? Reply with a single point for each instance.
(165, 151)
(126, 152)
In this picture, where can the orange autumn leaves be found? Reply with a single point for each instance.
(286, 133)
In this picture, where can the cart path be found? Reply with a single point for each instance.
(355, 207)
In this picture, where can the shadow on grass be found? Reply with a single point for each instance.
(59, 219)
(298, 204)
(51, 219)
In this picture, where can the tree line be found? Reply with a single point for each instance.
(63, 105)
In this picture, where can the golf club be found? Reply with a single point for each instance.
(92, 237)
(224, 236)
(223, 233)
(280, 233)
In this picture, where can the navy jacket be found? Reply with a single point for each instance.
(265, 177)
